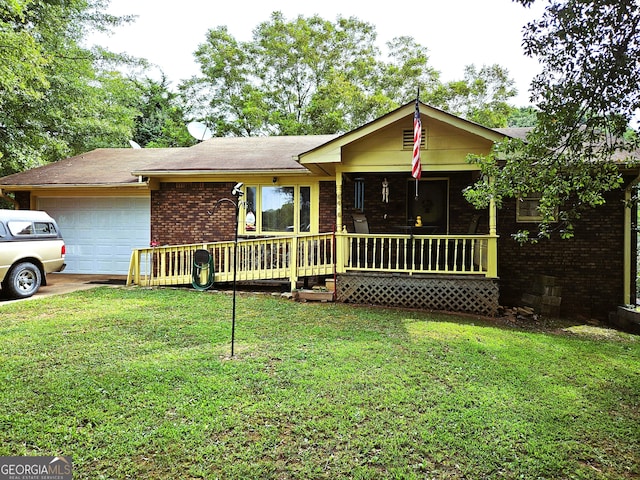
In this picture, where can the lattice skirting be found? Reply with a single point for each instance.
(458, 294)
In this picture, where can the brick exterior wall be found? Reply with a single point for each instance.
(589, 267)
(327, 212)
(184, 213)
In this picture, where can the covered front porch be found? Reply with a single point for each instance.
(356, 214)
(444, 272)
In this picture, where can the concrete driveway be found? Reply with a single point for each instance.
(58, 283)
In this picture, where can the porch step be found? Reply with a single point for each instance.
(314, 295)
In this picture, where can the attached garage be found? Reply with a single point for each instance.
(103, 210)
(100, 232)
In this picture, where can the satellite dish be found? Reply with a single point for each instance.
(199, 131)
(134, 144)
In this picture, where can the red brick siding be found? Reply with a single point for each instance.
(589, 267)
(327, 209)
(184, 213)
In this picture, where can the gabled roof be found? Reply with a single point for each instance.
(331, 152)
(122, 166)
(100, 167)
(619, 156)
(515, 132)
(239, 154)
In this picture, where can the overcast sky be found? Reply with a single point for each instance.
(456, 32)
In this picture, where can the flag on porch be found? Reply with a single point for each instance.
(416, 166)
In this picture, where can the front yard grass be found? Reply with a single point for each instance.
(138, 383)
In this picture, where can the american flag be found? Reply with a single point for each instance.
(416, 166)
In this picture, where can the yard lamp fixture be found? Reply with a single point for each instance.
(237, 193)
(237, 190)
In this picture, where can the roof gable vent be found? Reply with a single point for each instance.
(407, 139)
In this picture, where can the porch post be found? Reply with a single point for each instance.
(341, 243)
(338, 201)
(627, 300)
(293, 263)
(133, 276)
(492, 247)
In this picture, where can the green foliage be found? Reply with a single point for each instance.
(138, 383)
(586, 95)
(298, 77)
(160, 123)
(523, 117)
(55, 99)
(482, 96)
(312, 76)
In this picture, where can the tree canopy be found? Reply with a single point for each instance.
(301, 76)
(586, 97)
(56, 97)
(161, 121)
(313, 76)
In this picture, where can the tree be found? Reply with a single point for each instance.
(297, 77)
(482, 96)
(312, 76)
(160, 123)
(523, 117)
(55, 98)
(586, 97)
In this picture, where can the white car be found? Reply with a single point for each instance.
(31, 246)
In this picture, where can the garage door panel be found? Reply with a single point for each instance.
(100, 232)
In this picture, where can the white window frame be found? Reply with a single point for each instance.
(297, 200)
(524, 215)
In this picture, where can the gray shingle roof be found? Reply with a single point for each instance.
(241, 154)
(109, 166)
(104, 166)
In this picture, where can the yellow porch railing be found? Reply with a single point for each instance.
(306, 255)
(273, 258)
(437, 254)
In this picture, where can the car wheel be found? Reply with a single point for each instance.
(23, 280)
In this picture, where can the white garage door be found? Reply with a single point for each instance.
(100, 232)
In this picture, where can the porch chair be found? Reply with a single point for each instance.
(480, 252)
(361, 226)
(473, 225)
(360, 223)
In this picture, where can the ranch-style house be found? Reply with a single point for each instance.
(340, 207)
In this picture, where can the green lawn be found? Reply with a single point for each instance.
(138, 383)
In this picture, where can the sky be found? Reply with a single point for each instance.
(456, 32)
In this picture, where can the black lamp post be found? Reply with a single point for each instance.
(237, 193)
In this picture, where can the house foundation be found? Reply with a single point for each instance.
(459, 294)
